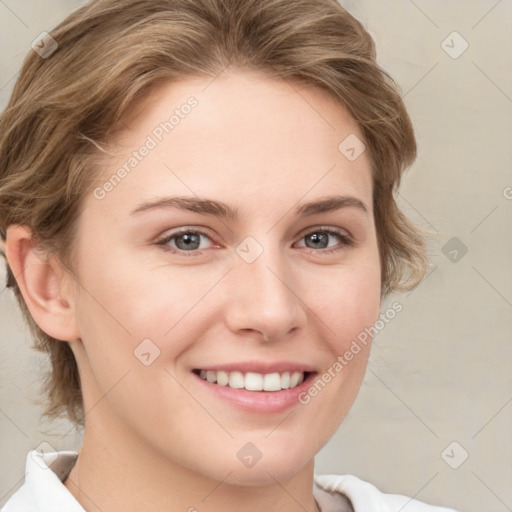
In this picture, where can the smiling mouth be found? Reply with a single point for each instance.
(252, 381)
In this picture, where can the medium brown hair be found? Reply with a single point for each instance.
(112, 52)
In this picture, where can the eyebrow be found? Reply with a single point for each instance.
(224, 211)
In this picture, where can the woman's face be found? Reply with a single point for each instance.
(243, 277)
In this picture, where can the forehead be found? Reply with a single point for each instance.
(238, 136)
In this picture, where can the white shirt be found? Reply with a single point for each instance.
(44, 491)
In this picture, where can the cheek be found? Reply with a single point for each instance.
(352, 302)
(350, 305)
(126, 294)
(139, 322)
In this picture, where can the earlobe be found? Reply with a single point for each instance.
(42, 283)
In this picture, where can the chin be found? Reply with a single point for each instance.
(267, 466)
(276, 463)
(263, 474)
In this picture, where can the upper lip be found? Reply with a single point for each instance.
(260, 367)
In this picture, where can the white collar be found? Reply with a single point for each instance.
(44, 491)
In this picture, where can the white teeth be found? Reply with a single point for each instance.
(236, 380)
(294, 379)
(285, 380)
(222, 378)
(254, 381)
(272, 382)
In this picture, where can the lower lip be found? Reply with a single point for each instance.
(259, 401)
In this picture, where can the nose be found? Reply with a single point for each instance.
(264, 298)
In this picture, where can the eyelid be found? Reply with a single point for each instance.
(331, 229)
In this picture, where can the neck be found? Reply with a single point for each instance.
(117, 471)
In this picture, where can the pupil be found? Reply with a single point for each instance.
(316, 237)
(188, 239)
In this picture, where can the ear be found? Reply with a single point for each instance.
(45, 286)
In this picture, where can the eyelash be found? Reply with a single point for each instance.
(346, 240)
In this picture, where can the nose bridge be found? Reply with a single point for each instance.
(262, 296)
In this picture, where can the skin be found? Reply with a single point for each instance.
(154, 439)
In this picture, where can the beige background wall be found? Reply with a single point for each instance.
(440, 371)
